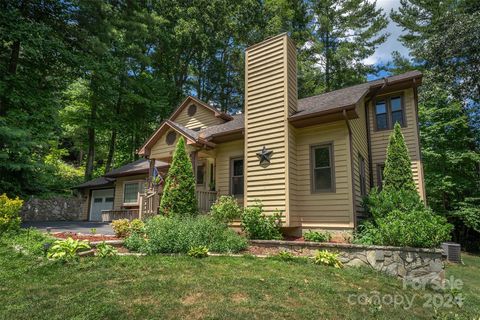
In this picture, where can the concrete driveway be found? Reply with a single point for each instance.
(71, 226)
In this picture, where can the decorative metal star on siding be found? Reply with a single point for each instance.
(264, 156)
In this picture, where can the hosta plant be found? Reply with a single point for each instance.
(198, 252)
(328, 259)
(66, 250)
(105, 250)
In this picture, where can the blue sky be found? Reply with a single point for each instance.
(384, 51)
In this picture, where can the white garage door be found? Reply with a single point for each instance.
(101, 200)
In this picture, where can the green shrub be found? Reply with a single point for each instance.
(135, 242)
(178, 235)
(66, 250)
(31, 241)
(327, 258)
(179, 196)
(105, 250)
(259, 226)
(136, 226)
(317, 236)
(285, 256)
(226, 209)
(9, 210)
(418, 228)
(398, 171)
(121, 227)
(379, 203)
(198, 252)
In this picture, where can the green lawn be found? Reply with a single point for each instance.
(162, 287)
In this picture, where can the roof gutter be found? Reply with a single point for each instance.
(294, 118)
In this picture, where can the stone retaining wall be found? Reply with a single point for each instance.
(410, 264)
(53, 209)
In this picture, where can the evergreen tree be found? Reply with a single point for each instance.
(345, 33)
(179, 192)
(398, 171)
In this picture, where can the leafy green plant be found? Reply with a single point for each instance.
(419, 228)
(198, 252)
(66, 250)
(9, 213)
(257, 225)
(105, 250)
(135, 242)
(178, 235)
(179, 196)
(317, 236)
(285, 255)
(327, 258)
(226, 209)
(121, 227)
(136, 226)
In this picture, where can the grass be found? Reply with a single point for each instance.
(172, 287)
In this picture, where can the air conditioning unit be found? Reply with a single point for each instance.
(451, 251)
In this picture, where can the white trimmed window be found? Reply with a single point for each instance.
(130, 192)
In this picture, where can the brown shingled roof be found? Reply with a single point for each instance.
(237, 124)
(137, 167)
(96, 183)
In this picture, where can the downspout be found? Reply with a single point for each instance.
(352, 169)
(369, 141)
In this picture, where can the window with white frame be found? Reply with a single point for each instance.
(130, 192)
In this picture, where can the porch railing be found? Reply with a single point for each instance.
(149, 203)
(110, 215)
(205, 200)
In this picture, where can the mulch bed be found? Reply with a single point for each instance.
(81, 236)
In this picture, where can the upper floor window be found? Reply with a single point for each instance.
(322, 174)
(389, 111)
(236, 177)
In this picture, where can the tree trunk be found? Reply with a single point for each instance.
(91, 142)
(111, 150)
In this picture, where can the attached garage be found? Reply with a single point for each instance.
(100, 199)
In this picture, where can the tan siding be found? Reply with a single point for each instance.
(118, 197)
(379, 141)
(324, 210)
(360, 146)
(225, 152)
(271, 96)
(161, 150)
(201, 119)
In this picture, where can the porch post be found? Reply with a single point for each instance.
(150, 173)
(194, 158)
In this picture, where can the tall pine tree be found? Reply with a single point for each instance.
(345, 33)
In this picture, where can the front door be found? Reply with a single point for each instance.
(101, 200)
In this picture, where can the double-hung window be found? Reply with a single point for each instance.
(322, 168)
(236, 176)
(388, 111)
(130, 192)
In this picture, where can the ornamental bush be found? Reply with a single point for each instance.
(398, 166)
(226, 209)
(259, 226)
(9, 213)
(180, 234)
(179, 192)
(414, 228)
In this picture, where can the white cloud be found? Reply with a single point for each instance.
(384, 51)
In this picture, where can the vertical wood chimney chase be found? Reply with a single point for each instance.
(270, 98)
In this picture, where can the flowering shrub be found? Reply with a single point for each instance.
(9, 210)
